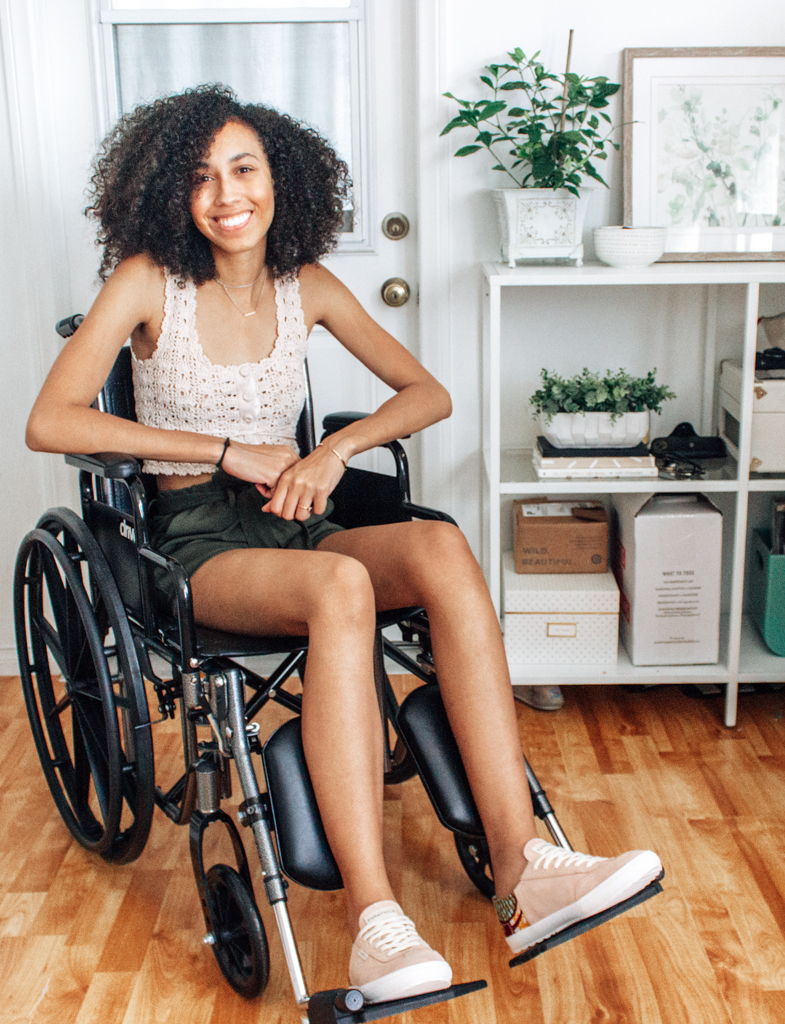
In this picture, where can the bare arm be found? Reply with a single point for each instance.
(62, 419)
(420, 399)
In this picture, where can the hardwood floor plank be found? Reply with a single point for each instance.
(560, 984)
(17, 911)
(614, 975)
(174, 974)
(676, 963)
(27, 965)
(107, 998)
(126, 946)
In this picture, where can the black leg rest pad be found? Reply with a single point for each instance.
(302, 845)
(590, 922)
(322, 1007)
(425, 729)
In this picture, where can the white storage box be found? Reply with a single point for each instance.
(559, 618)
(767, 442)
(667, 556)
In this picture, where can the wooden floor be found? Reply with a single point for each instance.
(84, 942)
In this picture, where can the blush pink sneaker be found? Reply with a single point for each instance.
(559, 888)
(390, 960)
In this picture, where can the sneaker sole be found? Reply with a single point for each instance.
(408, 981)
(634, 876)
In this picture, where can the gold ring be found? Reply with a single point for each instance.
(307, 508)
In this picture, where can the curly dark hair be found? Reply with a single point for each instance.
(146, 170)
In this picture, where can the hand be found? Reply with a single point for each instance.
(260, 464)
(306, 486)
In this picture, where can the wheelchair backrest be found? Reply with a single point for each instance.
(108, 506)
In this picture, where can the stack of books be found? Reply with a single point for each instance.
(552, 463)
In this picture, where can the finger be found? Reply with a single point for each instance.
(303, 511)
(319, 503)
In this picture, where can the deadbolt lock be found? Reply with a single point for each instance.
(395, 226)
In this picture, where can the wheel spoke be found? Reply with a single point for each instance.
(50, 637)
(60, 706)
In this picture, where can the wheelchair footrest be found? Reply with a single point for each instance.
(588, 923)
(325, 1007)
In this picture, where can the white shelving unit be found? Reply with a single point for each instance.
(508, 472)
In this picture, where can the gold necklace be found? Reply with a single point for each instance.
(261, 293)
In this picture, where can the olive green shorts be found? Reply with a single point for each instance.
(193, 524)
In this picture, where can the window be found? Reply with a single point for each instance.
(304, 59)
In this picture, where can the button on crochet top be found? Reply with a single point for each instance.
(178, 388)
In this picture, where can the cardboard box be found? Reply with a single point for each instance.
(559, 619)
(560, 536)
(667, 559)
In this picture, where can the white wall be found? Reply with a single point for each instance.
(47, 264)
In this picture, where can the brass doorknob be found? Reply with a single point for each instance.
(395, 291)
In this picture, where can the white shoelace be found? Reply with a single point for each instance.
(554, 856)
(391, 934)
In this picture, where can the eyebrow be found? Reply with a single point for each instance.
(234, 159)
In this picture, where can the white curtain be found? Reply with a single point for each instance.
(300, 68)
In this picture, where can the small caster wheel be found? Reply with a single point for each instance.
(238, 939)
(476, 860)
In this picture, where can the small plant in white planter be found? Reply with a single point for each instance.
(551, 138)
(589, 411)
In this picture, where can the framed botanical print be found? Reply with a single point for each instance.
(704, 150)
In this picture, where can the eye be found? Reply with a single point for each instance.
(245, 168)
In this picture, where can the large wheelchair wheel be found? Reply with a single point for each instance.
(83, 688)
(476, 860)
(238, 938)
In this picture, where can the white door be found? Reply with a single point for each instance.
(345, 66)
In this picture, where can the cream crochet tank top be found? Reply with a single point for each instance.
(178, 388)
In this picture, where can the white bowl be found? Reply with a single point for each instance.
(629, 247)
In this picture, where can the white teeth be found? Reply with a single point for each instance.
(235, 221)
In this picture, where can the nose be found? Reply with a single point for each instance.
(228, 191)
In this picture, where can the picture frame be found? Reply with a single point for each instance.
(704, 149)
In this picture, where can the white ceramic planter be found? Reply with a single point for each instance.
(595, 429)
(541, 223)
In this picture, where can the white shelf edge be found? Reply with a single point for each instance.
(597, 274)
(757, 664)
(601, 485)
(767, 484)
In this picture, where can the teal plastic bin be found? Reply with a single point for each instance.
(767, 599)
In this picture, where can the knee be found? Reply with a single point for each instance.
(344, 591)
(439, 550)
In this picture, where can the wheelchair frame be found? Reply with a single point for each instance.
(79, 580)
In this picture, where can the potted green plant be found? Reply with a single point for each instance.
(546, 143)
(589, 411)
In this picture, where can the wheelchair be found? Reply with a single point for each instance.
(88, 626)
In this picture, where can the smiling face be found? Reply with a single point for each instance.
(233, 201)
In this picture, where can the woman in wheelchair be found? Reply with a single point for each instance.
(213, 216)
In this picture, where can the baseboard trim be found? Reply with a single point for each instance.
(9, 665)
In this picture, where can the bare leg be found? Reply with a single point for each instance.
(431, 564)
(242, 591)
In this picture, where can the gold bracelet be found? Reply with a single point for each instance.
(338, 455)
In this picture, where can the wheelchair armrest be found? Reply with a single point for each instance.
(422, 512)
(337, 420)
(108, 465)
